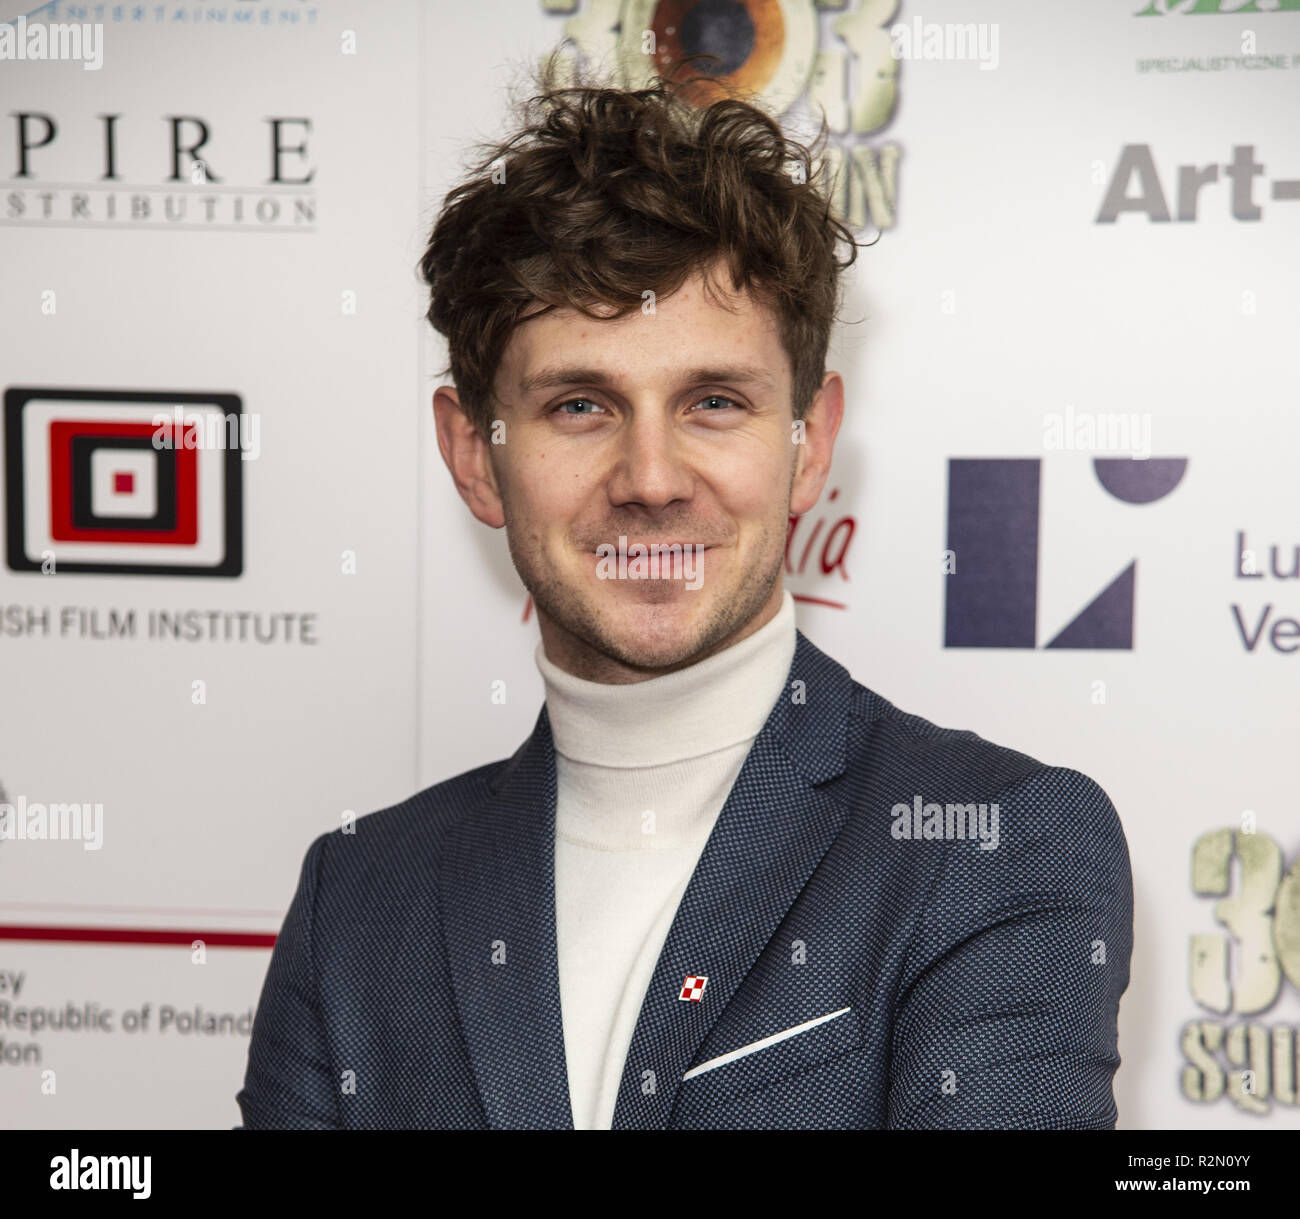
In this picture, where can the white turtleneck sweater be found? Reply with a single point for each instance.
(642, 772)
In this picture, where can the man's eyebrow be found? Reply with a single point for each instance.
(551, 378)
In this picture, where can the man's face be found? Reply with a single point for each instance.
(671, 426)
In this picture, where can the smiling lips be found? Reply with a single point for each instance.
(662, 545)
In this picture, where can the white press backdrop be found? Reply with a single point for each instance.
(993, 301)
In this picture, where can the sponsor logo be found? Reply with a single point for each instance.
(261, 182)
(116, 482)
(1241, 973)
(1136, 186)
(992, 556)
(1223, 8)
(791, 57)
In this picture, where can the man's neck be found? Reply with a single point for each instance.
(720, 701)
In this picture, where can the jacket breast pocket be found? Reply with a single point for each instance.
(786, 1052)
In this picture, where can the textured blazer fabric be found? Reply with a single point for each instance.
(873, 958)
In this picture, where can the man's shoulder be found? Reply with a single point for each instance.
(896, 755)
(408, 834)
(911, 756)
(977, 827)
(438, 807)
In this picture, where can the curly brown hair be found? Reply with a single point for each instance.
(605, 193)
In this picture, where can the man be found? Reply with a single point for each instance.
(721, 884)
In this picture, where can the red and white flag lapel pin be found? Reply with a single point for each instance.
(693, 988)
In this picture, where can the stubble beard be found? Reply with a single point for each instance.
(568, 608)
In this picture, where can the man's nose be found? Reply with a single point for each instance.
(650, 467)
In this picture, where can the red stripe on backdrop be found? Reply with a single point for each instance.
(138, 935)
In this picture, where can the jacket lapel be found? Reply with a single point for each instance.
(497, 889)
(772, 832)
(498, 897)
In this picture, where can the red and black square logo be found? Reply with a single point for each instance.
(124, 482)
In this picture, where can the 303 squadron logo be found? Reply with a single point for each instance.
(795, 58)
(1249, 1062)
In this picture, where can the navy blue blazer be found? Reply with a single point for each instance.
(859, 975)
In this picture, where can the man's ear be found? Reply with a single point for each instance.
(467, 455)
(821, 425)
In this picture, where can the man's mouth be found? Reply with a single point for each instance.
(658, 545)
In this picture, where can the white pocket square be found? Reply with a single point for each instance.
(754, 1046)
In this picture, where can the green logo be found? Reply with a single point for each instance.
(1162, 8)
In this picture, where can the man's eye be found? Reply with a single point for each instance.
(579, 402)
(717, 401)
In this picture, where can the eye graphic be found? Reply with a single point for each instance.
(763, 49)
